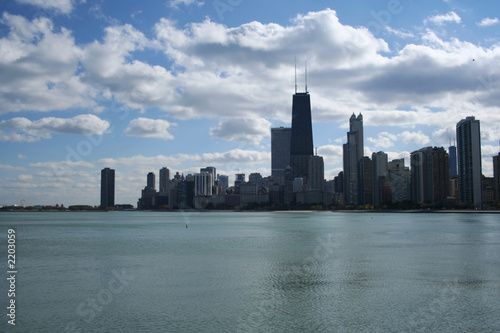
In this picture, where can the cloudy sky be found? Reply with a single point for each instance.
(139, 85)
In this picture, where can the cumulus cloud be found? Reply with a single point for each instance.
(231, 157)
(384, 140)
(7, 167)
(487, 22)
(38, 67)
(176, 3)
(251, 130)
(443, 19)
(150, 128)
(21, 129)
(63, 6)
(415, 137)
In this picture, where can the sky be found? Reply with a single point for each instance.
(185, 84)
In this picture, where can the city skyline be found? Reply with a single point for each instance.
(184, 91)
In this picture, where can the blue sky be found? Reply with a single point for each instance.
(139, 85)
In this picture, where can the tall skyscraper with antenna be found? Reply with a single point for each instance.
(301, 147)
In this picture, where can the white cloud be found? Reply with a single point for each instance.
(231, 157)
(63, 6)
(331, 154)
(384, 140)
(38, 68)
(443, 19)
(150, 128)
(62, 165)
(399, 33)
(24, 130)
(6, 167)
(487, 22)
(176, 3)
(415, 137)
(251, 130)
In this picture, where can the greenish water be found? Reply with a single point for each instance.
(253, 272)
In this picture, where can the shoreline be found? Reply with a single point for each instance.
(406, 211)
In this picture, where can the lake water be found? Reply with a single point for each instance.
(253, 272)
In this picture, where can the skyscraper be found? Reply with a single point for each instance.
(469, 161)
(203, 183)
(301, 141)
(107, 188)
(211, 170)
(496, 176)
(280, 152)
(151, 181)
(353, 153)
(380, 169)
(164, 179)
(430, 175)
(453, 161)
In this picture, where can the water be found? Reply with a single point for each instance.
(254, 272)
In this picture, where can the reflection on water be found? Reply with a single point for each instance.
(257, 272)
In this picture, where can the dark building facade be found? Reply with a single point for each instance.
(353, 153)
(280, 152)
(430, 175)
(107, 188)
(469, 161)
(496, 177)
(301, 141)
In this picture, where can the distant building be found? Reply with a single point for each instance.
(353, 152)
(366, 183)
(164, 179)
(256, 178)
(380, 169)
(488, 190)
(496, 177)
(280, 152)
(151, 181)
(240, 177)
(203, 183)
(469, 161)
(430, 175)
(223, 181)
(211, 170)
(452, 151)
(316, 173)
(107, 188)
(400, 180)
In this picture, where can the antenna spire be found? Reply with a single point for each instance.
(306, 76)
(295, 74)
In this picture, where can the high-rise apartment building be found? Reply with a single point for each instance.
(380, 169)
(280, 152)
(469, 161)
(316, 173)
(353, 153)
(107, 188)
(211, 170)
(400, 180)
(203, 183)
(430, 175)
(223, 181)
